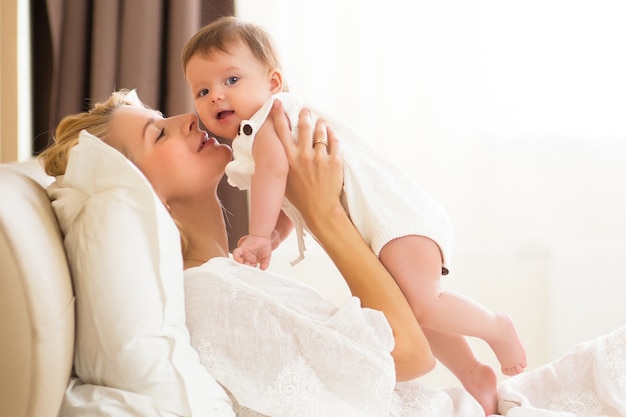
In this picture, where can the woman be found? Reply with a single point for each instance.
(185, 167)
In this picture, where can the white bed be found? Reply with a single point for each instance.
(152, 340)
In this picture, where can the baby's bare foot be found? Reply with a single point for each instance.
(508, 346)
(481, 383)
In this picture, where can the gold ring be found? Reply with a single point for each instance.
(316, 141)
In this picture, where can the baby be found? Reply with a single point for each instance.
(235, 75)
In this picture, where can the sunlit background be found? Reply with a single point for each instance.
(512, 114)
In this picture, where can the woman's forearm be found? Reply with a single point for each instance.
(368, 279)
(314, 186)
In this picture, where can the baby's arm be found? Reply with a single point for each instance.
(282, 230)
(267, 190)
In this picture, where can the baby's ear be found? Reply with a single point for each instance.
(276, 81)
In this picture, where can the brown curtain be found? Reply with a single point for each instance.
(83, 50)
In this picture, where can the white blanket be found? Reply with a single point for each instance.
(589, 381)
(282, 349)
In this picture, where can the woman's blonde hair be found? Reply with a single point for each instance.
(219, 34)
(96, 121)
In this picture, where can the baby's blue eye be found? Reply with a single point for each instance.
(232, 80)
(203, 92)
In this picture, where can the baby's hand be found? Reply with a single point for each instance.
(254, 250)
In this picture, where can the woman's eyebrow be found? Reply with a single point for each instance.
(149, 122)
(152, 121)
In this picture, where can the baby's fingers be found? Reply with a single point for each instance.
(237, 255)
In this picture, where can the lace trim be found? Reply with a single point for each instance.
(583, 403)
(297, 391)
(209, 359)
(615, 357)
(411, 399)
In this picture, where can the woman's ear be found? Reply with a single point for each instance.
(276, 81)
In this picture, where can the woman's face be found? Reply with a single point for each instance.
(177, 157)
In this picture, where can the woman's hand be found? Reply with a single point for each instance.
(315, 180)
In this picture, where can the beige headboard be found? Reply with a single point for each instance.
(36, 300)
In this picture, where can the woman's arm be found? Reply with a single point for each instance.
(314, 186)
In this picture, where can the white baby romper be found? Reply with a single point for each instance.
(383, 202)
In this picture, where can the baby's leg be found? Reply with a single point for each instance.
(457, 355)
(415, 263)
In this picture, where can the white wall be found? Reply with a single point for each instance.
(15, 91)
(512, 115)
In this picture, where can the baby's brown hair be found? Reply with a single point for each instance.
(219, 34)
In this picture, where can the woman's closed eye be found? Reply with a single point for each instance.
(161, 135)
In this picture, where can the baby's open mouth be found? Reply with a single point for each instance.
(223, 114)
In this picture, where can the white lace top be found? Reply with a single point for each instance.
(282, 349)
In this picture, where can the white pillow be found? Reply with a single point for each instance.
(125, 258)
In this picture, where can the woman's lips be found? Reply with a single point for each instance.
(206, 141)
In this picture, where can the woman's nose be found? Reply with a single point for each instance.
(187, 123)
(192, 122)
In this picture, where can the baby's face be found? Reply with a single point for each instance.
(229, 87)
